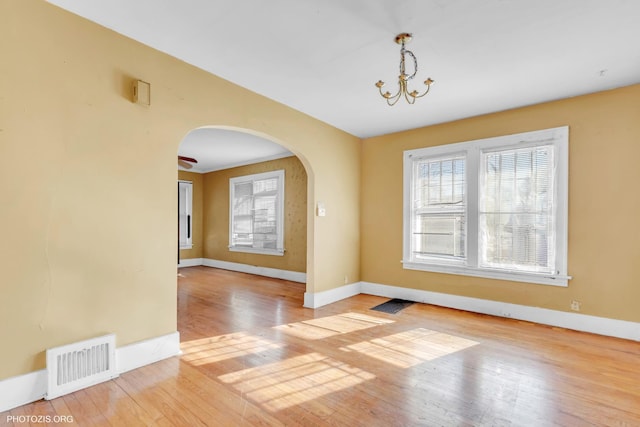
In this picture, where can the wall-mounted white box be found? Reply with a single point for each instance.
(142, 93)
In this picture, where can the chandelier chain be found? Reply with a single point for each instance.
(404, 51)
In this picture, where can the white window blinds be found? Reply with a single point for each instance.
(516, 209)
(439, 217)
(257, 212)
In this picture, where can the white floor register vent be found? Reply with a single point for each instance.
(79, 365)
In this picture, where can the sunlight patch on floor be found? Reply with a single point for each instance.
(411, 348)
(215, 349)
(300, 379)
(314, 329)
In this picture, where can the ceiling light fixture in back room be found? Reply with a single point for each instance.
(403, 78)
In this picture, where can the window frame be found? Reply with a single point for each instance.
(188, 188)
(559, 138)
(280, 175)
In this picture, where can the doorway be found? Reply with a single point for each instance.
(225, 156)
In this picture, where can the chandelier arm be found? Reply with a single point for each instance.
(391, 104)
(410, 99)
(407, 95)
(425, 92)
(393, 99)
(397, 94)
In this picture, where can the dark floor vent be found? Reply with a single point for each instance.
(393, 306)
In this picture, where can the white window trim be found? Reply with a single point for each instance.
(189, 213)
(279, 251)
(560, 138)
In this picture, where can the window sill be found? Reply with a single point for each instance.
(261, 251)
(540, 279)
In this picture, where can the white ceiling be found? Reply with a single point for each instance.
(322, 57)
(217, 149)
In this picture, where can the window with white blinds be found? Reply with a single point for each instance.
(494, 208)
(257, 213)
(516, 210)
(185, 223)
(439, 220)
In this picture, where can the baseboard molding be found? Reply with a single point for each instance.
(293, 276)
(146, 352)
(318, 299)
(23, 389)
(575, 321)
(190, 262)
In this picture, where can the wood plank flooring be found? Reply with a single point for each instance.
(252, 355)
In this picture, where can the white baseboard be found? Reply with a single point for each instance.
(575, 321)
(293, 276)
(190, 262)
(28, 388)
(318, 299)
(146, 352)
(23, 389)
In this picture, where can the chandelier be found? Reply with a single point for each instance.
(403, 78)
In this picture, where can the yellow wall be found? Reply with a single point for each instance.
(216, 214)
(604, 249)
(196, 215)
(89, 233)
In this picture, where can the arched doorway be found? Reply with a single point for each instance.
(221, 233)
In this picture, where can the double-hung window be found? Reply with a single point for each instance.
(257, 213)
(185, 223)
(493, 208)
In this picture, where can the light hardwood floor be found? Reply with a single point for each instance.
(252, 355)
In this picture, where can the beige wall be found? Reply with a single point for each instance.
(196, 215)
(89, 233)
(216, 216)
(604, 249)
